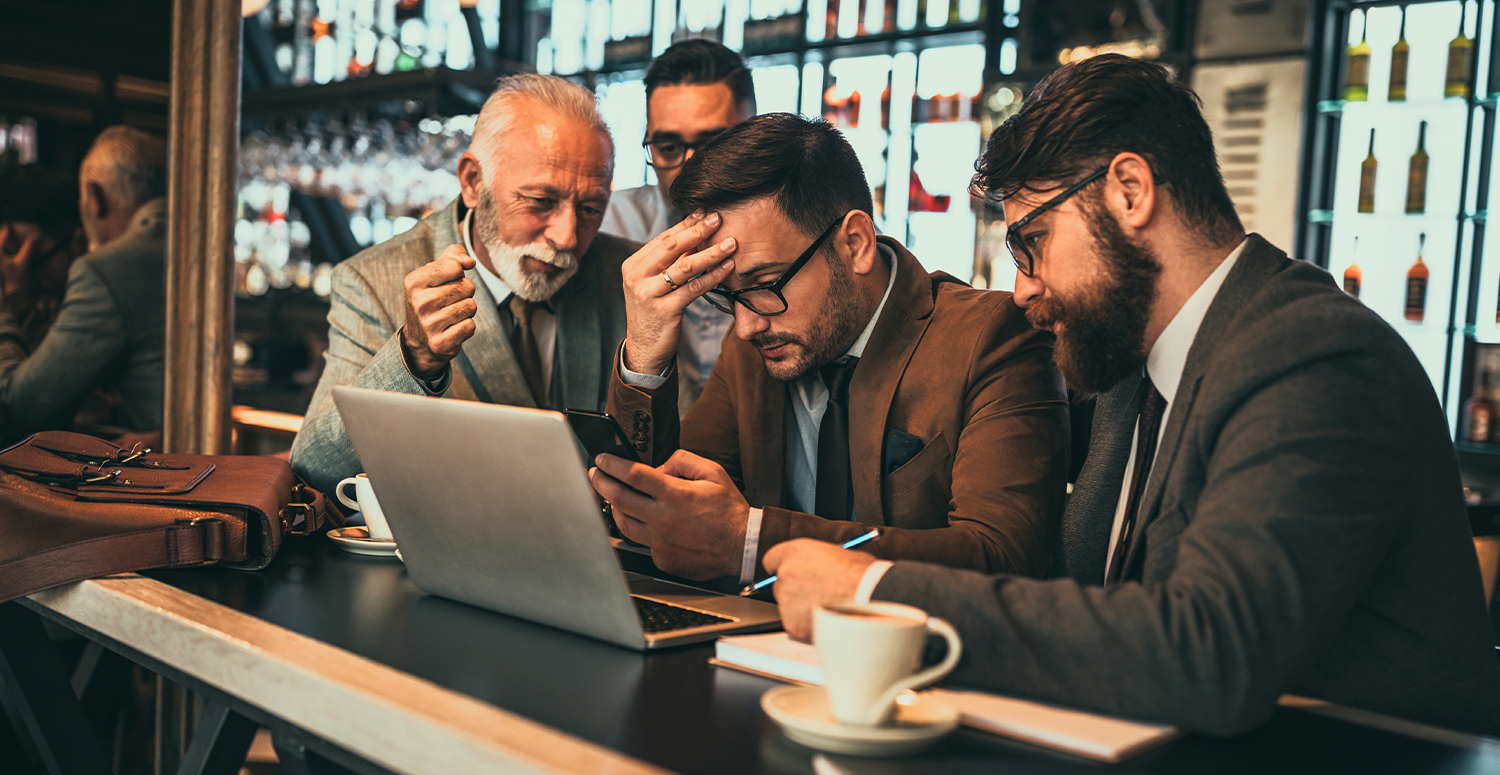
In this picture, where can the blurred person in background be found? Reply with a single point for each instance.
(40, 236)
(694, 91)
(108, 332)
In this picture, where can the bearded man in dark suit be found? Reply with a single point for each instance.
(1271, 502)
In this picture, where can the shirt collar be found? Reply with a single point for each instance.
(1168, 357)
(497, 287)
(857, 350)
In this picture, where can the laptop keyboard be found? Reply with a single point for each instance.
(660, 617)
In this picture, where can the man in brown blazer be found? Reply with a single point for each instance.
(857, 389)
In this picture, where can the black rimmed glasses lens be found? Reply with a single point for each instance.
(766, 299)
(669, 153)
(1021, 254)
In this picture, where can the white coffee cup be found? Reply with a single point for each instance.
(872, 653)
(364, 502)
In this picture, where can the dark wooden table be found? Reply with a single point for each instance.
(391, 679)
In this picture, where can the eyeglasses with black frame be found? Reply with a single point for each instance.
(766, 299)
(1017, 243)
(670, 152)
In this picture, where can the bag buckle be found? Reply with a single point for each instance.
(213, 550)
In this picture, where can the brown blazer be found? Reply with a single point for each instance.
(959, 368)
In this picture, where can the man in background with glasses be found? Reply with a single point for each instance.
(859, 391)
(694, 91)
(1270, 504)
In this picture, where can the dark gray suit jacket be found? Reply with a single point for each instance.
(369, 307)
(1303, 532)
(109, 333)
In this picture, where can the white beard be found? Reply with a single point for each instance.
(508, 263)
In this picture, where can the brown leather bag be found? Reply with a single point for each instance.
(74, 507)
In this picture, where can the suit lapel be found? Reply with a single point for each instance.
(1250, 272)
(907, 312)
(576, 360)
(1083, 534)
(764, 417)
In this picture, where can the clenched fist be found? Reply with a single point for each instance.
(440, 311)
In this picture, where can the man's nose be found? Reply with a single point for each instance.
(1028, 289)
(562, 229)
(747, 324)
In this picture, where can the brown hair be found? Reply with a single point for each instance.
(805, 165)
(1080, 116)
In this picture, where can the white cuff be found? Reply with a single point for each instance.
(637, 379)
(870, 580)
(752, 546)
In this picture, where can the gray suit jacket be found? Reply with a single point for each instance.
(369, 308)
(109, 333)
(1303, 531)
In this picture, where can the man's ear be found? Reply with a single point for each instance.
(97, 202)
(856, 240)
(1132, 190)
(470, 179)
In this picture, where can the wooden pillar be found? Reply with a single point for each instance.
(202, 171)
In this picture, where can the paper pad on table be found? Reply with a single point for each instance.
(1105, 738)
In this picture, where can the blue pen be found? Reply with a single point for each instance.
(850, 544)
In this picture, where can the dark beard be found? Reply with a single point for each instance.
(845, 312)
(1104, 324)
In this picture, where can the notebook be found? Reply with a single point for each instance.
(1105, 738)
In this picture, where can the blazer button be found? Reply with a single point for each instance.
(640, 446)
(641, 418)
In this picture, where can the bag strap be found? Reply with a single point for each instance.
(185, 543)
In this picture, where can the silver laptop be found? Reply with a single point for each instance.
(491, 506)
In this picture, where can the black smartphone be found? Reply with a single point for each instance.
(600, 434)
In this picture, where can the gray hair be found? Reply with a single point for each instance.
(128, 163)
(564, 97)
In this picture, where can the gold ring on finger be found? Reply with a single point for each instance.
(668, 280)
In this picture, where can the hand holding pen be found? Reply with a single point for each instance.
(850, 544)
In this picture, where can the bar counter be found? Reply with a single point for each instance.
(344, 656)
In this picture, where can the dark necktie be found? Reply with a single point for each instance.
(835, 486)
(1152, 408)
(523, 343)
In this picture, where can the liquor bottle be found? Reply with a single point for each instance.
(1357, 88)
(1399, 54)
(1459, 52)
(1352, 275)
(1367, 179)
(1416, 285)
(1480, 414)
(1416, 176)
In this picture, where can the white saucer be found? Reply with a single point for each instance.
(802, 713)
(357, 540)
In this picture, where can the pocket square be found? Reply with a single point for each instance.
(900, 448)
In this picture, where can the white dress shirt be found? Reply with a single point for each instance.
(543, 321)
(1164, 364)
(809, 404)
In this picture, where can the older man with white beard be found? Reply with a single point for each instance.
(508, 295)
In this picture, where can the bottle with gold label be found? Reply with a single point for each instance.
(1459, 52)
(1357, 84)
(1416, 176)
(1367, 179)
(1399, 54)
(1480, 415)
(1416, 285)
(1352, 275)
